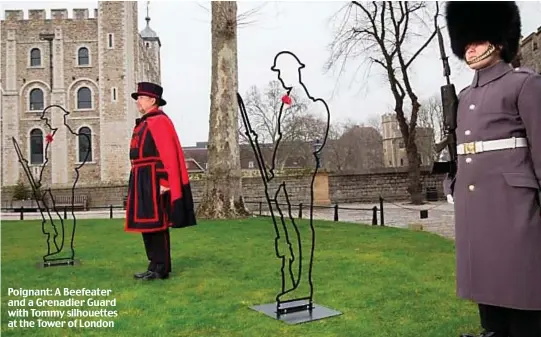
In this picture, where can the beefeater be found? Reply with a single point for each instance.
(496, 190)
(159, 191)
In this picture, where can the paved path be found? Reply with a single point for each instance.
(440, 218)
(399, 214)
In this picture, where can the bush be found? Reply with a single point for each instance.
(21, 191)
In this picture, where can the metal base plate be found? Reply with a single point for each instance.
(58, 263)
(318, 312)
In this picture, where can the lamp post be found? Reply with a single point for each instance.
(316, 146)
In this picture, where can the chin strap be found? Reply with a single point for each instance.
(490, 50)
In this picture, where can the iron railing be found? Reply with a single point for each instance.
(377, 212)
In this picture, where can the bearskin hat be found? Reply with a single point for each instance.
(497, 22)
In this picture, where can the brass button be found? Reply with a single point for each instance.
(471, 187)
(468, 160)
(472, 106)
(467, 132)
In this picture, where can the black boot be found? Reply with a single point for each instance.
(160, 273)
(149, 270)
(141, 274)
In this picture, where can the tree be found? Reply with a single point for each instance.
(263, 110)
(381, 31)
(21, 191)
(223, 191)
(431, 116)
(354, 148)
(375, 122)
(299, 126)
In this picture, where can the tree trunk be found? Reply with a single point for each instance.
(415, 188)
(223, 193)
(409, 135)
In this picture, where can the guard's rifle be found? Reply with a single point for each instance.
(449, 102)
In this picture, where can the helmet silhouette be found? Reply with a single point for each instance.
(285, 58)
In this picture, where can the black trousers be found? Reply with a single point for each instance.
(510, 322)
(158, 249)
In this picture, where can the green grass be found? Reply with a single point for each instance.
(387, 282)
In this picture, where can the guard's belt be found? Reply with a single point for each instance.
(491, 145)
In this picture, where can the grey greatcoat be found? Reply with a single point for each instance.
(496, 193)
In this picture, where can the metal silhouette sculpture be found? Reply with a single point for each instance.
(56, 255)
(301, 308)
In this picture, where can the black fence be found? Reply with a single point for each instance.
(299, 210)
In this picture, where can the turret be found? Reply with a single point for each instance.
(152, 44)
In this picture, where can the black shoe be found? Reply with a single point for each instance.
(141, 275)
(155, 276)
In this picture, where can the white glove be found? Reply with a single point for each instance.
(450, 199)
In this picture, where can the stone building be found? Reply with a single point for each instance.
(89, 66)
(394, 150)
(530, 51)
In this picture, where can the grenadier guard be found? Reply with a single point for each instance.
(496, 190)
(159, 192)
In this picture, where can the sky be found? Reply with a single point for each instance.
(302, 27)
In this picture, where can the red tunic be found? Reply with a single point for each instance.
(157, 159)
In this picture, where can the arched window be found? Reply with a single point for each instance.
(36, 99)
(35, 57)
(84, 98)
(82, 56)
(85, 145)
(36, 146)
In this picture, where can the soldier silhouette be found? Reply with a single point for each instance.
(297, 255)
(51, 217)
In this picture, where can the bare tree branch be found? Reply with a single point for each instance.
(243, 19)
(383, 32)
(263, 109)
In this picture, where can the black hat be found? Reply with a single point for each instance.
(497, 22)
(151, 90)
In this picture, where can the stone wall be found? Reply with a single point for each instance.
(530, 51)
(391, 184)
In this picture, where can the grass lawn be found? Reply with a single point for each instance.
(386, 282)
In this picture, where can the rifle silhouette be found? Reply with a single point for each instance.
(449, 100)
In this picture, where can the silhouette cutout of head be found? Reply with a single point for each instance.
(288, 67)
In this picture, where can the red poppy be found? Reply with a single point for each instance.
(286, 99)
(49, 138)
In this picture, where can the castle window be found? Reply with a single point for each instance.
(36, 147)
(84, 98)
(401, 161)
(113, 94)
(35, 57)
(83, 57)
(85, 145)
(36, 99)
(110, 41)
(534, 45)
